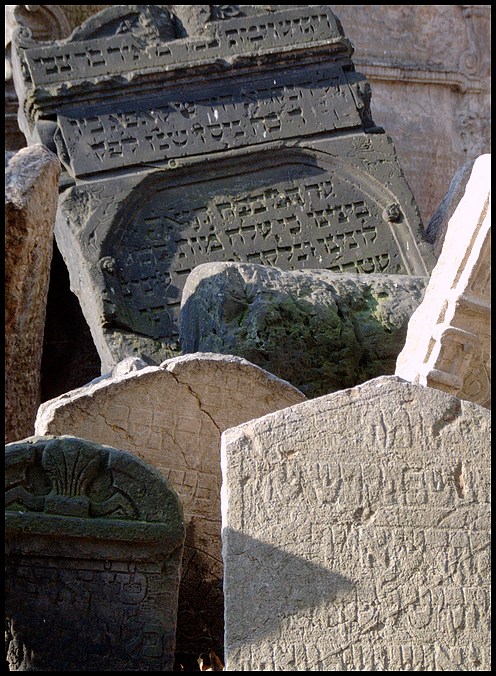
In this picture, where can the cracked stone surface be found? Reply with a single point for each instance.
(172, 416)
(356, 534)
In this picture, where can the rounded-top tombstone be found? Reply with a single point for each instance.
(94, 540)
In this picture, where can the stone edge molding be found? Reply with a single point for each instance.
(448, 344)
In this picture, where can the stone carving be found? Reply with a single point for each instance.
(319, 330)
(448, 344)
(172, 417)
(277, 161)
(94, 540)
(31, 193)
(356, 534)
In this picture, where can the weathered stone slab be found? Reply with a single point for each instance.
(252, 140)
(448, 344)
(31, 194)
(321, 331)
(356, 534)
(94, 540)
(172, 417)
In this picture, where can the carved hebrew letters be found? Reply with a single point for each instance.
(318, 218)
(91, 558)
(123, 53)
(356, 532)
(191, 123)
(172, 417)
(249, 140)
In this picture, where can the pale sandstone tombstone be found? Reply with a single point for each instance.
(31, 194)
(448, 344)
(94, 542)
(356, 534)
(172, 417)
(237, 133)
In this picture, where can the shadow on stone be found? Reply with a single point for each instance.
(307, 585)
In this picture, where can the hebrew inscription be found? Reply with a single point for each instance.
(94, 543)
(356, 534)
(172, 416)
(315, 220)
(239, 134)
(124, 52)
(195, 122)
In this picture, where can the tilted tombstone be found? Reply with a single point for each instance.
(237, 133)
(172, 417)
(94, 540)
(356, 534)
(31, 193)
(448, 342)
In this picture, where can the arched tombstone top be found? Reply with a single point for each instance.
(64, 476)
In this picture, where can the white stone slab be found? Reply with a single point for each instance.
(356, 534)
(448, 343)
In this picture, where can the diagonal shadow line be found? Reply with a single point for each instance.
(257, 568)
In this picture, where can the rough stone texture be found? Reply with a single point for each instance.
(31, 193)
(448, 344)
(319, 330)
(432, 90)
(356, 534)
(172, 417)
(251, 141)
(94, 541)
(445, 68)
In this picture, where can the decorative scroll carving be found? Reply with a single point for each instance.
(73, 477)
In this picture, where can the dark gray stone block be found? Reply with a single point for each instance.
(224, 133)
(94, 540)
(319, 330)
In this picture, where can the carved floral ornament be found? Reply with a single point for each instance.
(72, 477)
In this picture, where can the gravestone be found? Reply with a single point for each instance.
(448, 343)
(237, 133)
(94, 539)
(31, 182)
(321, 331)
(172, 417)
(356, 534)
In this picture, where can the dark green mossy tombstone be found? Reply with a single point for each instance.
(227, 133)
(94, 540)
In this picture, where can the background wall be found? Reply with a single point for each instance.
(429, 69)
